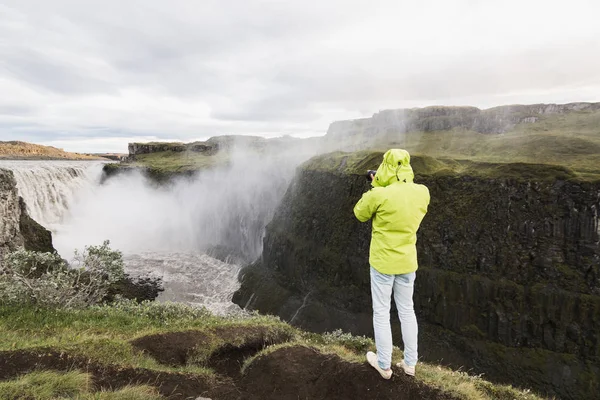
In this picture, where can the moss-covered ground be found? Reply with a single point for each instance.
(176, 162)
(163, 165)
(360, 161)
(173, 351)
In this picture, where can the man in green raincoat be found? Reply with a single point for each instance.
(397, 206)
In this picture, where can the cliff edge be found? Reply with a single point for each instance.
(509, 277)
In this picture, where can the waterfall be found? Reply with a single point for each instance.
(178, 232)
(221, 211)
(49, 188)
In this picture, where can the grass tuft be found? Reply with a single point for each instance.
(127, 393)
(44, 385)
(50, 385)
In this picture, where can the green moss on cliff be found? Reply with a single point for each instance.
(173, 161)
(161, 166)
(498, 240)
(361, 161)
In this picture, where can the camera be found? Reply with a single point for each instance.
(369, 173)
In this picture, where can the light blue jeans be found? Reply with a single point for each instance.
(402, 286)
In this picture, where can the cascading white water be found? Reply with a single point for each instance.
(226, 207)
(193, 278)
(164, 231)
(49, 188)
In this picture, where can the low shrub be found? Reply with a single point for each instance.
(45, 279)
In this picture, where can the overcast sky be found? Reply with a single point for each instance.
(88, 75)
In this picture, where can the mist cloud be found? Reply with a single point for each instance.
(91, 76)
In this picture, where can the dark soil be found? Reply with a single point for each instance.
(241, 342)
(302, 373)
(173, 385)
(229, 360)
(172, 348)
(291, 373)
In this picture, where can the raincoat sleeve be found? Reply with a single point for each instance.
(366, 206)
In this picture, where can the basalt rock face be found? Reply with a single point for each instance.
(494, 120)
(10, 213)
(17, 228)
(509, 278)
(210, 147)
(35, 236)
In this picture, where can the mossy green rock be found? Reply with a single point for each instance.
(509, 278)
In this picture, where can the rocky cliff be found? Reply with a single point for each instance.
(211, 146)
(17, 228)
(438, 118)
(164, 162)
(509, 278)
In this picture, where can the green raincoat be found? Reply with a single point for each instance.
(397, 206)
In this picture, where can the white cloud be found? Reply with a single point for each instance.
(100, 73)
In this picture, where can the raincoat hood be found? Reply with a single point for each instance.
(394, 168)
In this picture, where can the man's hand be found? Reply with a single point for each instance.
(370, 175)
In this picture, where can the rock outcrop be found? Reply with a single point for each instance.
(162, 163)
(211, 146)
(439, 118)
(509, 278)
(153, 147)
(17, 228)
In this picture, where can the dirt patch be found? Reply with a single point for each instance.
(228, 361)
(171, 348)
(302, 373)
(225, 348)
(169, 384)
(242, 342)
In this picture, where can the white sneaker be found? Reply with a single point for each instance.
(372, 359)
(408, 370)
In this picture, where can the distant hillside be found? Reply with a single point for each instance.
(553, 134)
(28, 151)
(567, 134)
